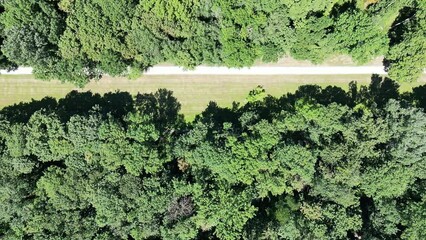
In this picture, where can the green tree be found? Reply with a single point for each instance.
(406, 58)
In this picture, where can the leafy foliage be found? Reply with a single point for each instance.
(79, 40)
(315, 164)
(406, 58)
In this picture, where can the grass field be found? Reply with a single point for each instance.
(193, 92)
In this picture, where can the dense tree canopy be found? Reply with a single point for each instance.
(320, 163)
(406, 57)
(78, 40)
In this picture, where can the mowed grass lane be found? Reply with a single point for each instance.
(193, 92)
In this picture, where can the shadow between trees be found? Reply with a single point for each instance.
(164, 107)
(160, 105)
(375, 95)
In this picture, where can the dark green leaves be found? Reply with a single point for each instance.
(79, 40)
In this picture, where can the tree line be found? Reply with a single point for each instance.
(320, 163)
(79, 40)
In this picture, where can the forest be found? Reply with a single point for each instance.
(320, 163)
(79, 40)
